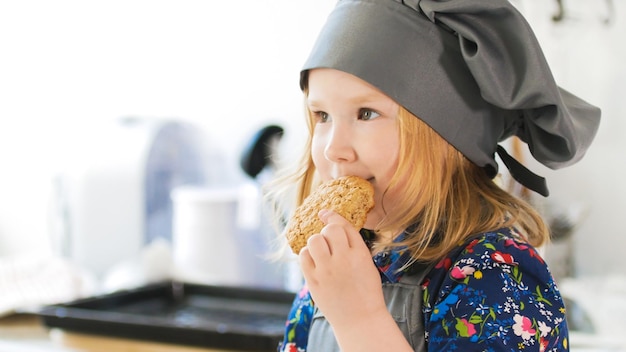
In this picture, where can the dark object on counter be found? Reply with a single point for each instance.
(190, 314)
(560, 14)
(258, 154)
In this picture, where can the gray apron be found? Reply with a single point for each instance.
(404, 302)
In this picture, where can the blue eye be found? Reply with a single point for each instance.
(367, 114)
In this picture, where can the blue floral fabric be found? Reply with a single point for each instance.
(493, 293)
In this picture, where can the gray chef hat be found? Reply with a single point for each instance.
(472, 70)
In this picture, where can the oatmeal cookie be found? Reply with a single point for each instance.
(350, 196)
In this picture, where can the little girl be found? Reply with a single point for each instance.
(415, 97)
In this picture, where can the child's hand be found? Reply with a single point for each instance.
(340, 273)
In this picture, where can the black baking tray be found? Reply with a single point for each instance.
(224, 317)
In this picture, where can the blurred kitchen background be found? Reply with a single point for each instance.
(107, 108)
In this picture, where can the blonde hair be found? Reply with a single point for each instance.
(446, 195)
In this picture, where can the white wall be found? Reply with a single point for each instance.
(232, 66)
(228, 67)
(587, 57)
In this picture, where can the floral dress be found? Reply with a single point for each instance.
(492, 293)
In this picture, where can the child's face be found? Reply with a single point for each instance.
(355, 132)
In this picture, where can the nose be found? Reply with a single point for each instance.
(339, 145)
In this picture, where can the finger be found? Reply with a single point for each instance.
(329, 216)
(318, 247)
(307, 264)
(334, 221)
(306, 261)
(336, 237)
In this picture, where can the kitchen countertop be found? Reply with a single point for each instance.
(23, 332)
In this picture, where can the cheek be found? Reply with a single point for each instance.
(317, 153)
(385, 159)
